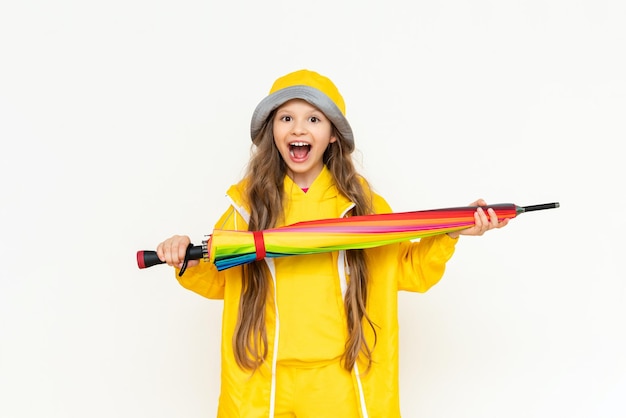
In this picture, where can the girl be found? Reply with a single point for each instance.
(311, 336)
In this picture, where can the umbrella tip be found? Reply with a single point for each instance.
(540, 207)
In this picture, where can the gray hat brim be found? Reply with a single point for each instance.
(311, 95)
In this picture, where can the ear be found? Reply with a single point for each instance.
(333, 139)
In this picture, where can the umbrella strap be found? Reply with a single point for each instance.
(183, 268)
(259, 244)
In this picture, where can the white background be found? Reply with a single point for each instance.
(124, 122)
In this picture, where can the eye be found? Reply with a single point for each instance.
(285, 118)
(314, 119)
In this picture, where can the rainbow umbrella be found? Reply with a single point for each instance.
(227, 248)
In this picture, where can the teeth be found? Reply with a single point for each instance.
(298, 144)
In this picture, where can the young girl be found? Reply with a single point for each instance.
(311, 336)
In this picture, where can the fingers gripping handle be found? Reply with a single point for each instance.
(147, 259)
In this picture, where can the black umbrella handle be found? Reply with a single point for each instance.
(147, 259)
(540, 207)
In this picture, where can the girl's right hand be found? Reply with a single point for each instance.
(172, 251)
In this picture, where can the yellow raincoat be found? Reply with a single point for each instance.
(306, 321)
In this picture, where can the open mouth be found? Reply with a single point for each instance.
(299, 150)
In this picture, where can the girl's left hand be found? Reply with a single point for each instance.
(484, 221)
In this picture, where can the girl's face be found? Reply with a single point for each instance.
(302, 134)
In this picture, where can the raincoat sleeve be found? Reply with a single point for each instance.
(420, 264)
(204, 279)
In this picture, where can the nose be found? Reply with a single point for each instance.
(299, 127)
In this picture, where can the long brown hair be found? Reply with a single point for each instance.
(265, 176)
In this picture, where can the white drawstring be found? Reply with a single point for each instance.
(272, 267)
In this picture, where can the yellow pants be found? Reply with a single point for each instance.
(319, 392)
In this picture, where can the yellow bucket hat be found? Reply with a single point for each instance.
(307, 85)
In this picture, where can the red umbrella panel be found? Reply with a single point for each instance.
(227, 248)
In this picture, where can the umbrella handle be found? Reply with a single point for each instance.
(147, 259)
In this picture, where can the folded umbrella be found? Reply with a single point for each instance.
(228, 248)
